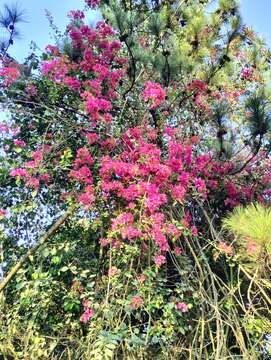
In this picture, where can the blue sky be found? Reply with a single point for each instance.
(255, 13)
(37, 27)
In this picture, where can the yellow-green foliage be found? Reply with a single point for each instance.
(252, 223)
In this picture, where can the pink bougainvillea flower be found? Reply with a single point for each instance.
(160, 239)
(2, 212)
(113, 271)
(83, 175)
(130, 233)
(85, 303)
(247, 73)
(194, 230)
(159, 260)
(83, 157)
(104, 242)
(87, 314)
(94, 106)
(18, 172)
(103, 28)
(122, 219)
(76, 15)
(142, 278)
(195, 139)
(93, 4)
(52, 49)
(92, 138)
(45, 177)
(10, 75)
(225, 248)
(213, 184)
(37, 155)
(16, 131)
(87, 197)
(178, 251)
(136, 302)
(19, 143)
(183, 307)
(178, 193)
(155, 93)
(32, 182)
(200, 185)
(72, 83)
(198, 85)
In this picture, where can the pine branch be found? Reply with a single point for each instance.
(9, 18)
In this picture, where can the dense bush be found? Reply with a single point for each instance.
(125, 148)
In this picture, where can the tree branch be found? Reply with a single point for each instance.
(33, 249)
(238, 170)
(133, 69)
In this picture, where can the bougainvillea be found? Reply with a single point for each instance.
(139, 156)
(155, 93)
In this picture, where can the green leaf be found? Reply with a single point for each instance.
(64, 269)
